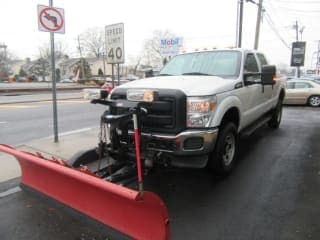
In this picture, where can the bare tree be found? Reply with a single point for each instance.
(5, 58)
(41, 68)
(93, 41)
(60, 50)
(42, 65)
(151, 49)
(135, 62)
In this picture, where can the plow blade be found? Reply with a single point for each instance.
(139, 217)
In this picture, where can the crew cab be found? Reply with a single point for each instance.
(205, 100)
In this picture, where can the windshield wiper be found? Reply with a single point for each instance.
(196, 73)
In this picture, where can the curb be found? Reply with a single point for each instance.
(69, 144)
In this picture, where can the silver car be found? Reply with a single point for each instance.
(302, 92)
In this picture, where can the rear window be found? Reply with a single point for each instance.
(262, 59)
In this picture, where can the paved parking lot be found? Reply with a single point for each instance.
(272, 194)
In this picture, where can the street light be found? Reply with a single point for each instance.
(301, 31)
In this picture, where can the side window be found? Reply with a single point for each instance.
(251, 66)
(301, 85)
(290, 85)
(262, 59)
(309, 85)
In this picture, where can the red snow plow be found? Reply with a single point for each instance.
(105, 183)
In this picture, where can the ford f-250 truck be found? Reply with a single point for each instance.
(205, 100)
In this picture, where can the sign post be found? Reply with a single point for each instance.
(115, 46)
(51, 20)
(297, 55)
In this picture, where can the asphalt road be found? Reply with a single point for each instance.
(23, 122)
(273, 193)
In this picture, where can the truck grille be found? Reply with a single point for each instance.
(166, 115)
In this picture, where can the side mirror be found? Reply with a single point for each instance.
(268, 74)
(250, 78)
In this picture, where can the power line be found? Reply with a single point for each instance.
(299, 10)
(297, 1)
(273, 27)
(280, 20)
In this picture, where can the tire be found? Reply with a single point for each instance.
(275, 120)
(314, 101)
(223, 157)
(83, 158)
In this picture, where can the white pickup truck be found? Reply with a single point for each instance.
(205, 100)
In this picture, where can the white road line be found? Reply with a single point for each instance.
(75, 131)
(72, 132)
(10, 191)
(3, 122)
(60, 134)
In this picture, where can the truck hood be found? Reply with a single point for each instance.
(190, 85)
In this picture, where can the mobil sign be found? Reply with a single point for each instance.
(170, 46)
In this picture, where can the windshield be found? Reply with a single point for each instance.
(225, 64)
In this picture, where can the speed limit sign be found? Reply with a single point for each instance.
(115, 43)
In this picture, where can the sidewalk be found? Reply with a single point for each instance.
(67, 146)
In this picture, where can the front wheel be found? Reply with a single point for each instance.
(314, 101)
(224, 154)
(276, 116)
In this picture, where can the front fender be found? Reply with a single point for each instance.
(224, 104)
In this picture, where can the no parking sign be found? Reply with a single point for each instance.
(51, 19)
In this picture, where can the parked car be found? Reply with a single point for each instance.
(91, 93)
(67, 80)
(107, 87)
(302, 92)
(316, 78)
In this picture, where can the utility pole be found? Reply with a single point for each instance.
(301, 31)
(296, 27)
(256, 39)
(81, 60)
(318, 59)
(239, 23)
(5, 56)
(5, 50)
(104, 66)
(54, 87)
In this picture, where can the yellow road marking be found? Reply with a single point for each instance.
(17, 106)
(22, 106)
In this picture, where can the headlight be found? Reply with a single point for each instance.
(199, 110)
(142, 95)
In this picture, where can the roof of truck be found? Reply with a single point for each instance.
(219, 49)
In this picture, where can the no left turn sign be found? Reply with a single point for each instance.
(51, 19)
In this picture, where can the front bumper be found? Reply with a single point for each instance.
(186, 143)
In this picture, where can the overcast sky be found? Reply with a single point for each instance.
(202, 24)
